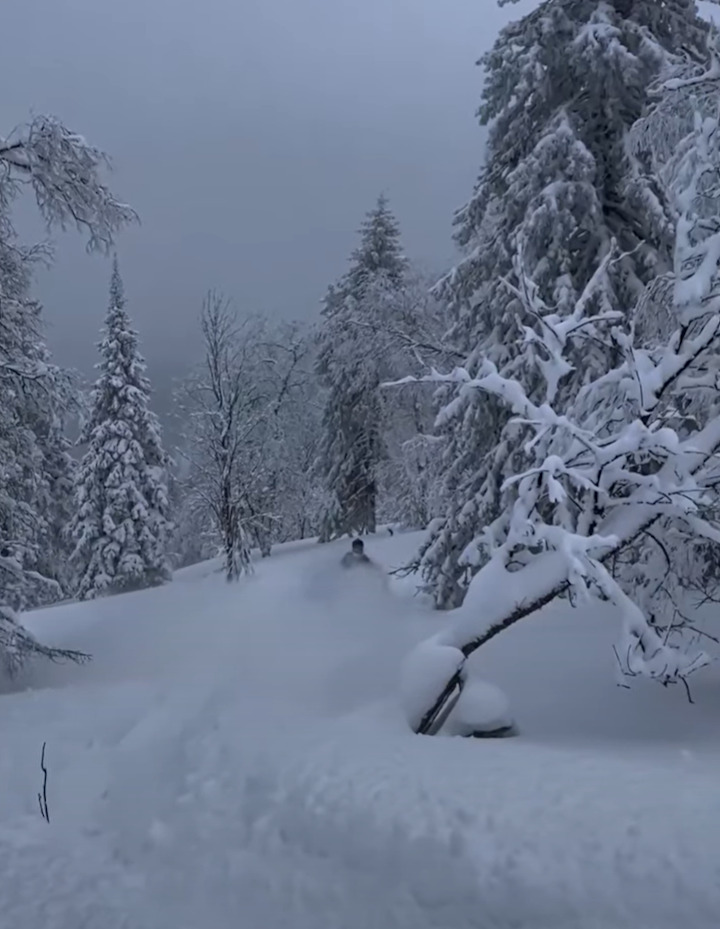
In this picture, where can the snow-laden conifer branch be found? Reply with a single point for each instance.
(563, 87)
(597, 475)
(17, 644)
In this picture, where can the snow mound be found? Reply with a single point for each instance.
(425, 672)
(481, 708)
(237, 755)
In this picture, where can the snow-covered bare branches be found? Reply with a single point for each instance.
(244, 427)
(213, 399)
(64, 173)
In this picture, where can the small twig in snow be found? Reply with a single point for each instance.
(42, 795)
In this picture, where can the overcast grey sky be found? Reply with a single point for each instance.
(251, 136)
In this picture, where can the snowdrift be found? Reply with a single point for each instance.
(238, 755)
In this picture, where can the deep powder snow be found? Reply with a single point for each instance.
(238, 756)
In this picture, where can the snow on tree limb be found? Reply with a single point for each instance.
(245, 441)
(17, 644)
(615, 462)
(563, 87)
(64, 173)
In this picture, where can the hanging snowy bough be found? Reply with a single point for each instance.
(18, 646)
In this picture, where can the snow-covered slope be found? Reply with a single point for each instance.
(235, 756)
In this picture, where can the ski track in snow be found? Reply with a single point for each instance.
(236, 756)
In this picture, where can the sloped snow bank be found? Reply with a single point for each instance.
(236, 755)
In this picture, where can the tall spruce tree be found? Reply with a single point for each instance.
(64, 173)
(35, 468)
(351, 444)
(564, 85)
(121, 524)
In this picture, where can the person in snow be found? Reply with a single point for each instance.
(355, 556)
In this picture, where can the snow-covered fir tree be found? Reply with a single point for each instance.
(37, 469)
(616, 489)
(34, 465)
(56, 402)
(120, 526)
(63, 173)
(351, 444)
(564, 85)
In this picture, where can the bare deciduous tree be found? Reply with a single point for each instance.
(235, 444)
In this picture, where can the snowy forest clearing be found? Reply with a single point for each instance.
(236, 755)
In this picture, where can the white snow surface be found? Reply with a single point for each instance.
(482, 707)
(237, 756)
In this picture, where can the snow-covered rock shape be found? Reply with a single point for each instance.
(482, 709)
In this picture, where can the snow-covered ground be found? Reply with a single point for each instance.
(236, 756)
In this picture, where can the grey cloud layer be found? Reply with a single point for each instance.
(251, 136)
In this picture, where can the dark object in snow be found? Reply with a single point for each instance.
(503, 732)
(355, 556)
(42, 796)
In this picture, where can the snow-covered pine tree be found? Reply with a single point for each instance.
(56, 401)
(351, 444)
(564, 85)
(617, 473)
(669, 134)
(121, 526)
(33, 463)
(36, 465)
(63, 173)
